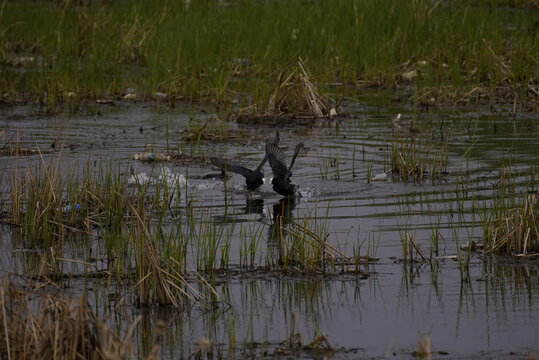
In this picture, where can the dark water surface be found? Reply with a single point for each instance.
(491, 311)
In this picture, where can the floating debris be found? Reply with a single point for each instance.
(472, 246)
(140, 178)
(69, 208)
(447, 257)
(409, 75)
(160, 96)
(151, 157)
(19, 61)
(380, 177)
(396, 122)
(167, 175)
(241, 61)
(17, 151)
(130, 97)
(104, 101)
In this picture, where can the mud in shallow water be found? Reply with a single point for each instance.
(383, 310)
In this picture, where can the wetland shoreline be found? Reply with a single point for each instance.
(417, 230)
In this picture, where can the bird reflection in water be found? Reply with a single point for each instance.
(254, 206)
(282, 216)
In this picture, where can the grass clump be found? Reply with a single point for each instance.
(511, 222)
(296, 94)
(50, 203)
(513, 229)
(306, 248)
(54, 328)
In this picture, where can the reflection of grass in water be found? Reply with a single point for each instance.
(73, 51)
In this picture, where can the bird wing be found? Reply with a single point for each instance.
(296, 151)
(275, 141)
(229, 165)
(259, 167)
(277, 160)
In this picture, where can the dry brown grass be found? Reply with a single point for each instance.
(36, 326)
(296, 94)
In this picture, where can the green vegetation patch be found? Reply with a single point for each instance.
(229, 53)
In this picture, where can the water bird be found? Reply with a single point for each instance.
(253, 178)
(281, 172)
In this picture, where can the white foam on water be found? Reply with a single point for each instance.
(308, 192)
(205, 185)
(140, 178)
(167, 175)
(239, 187)
(172, 178)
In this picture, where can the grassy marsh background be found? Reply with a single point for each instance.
(207, 50)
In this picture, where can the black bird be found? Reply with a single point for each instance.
(281, 173)
(253, 178)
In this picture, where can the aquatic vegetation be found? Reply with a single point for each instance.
(414, 157)
(38, 202)
(210, 241)
(303, 246)
(50, 204)
(249, 251)
(332, 162)
(512, 228)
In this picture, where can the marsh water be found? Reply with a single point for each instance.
(490, 309)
